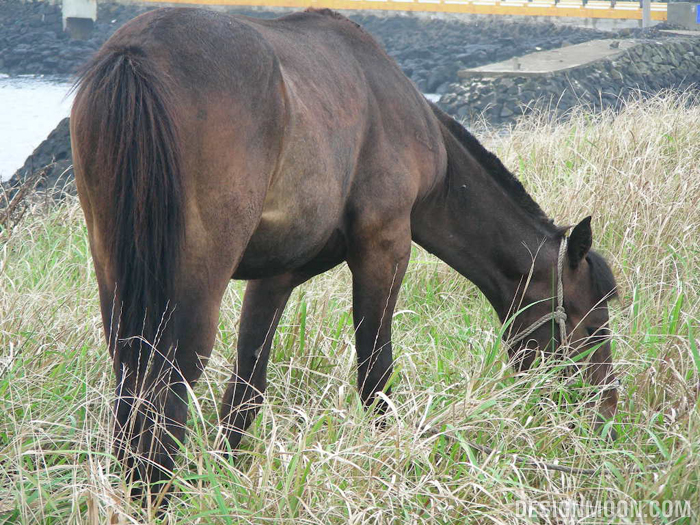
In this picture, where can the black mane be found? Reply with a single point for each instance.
(493, 165)
(602, 277)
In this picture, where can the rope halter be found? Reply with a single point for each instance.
(559, 314)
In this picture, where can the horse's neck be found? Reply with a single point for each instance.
(477, 227)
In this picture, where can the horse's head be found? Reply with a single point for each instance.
(568, 301)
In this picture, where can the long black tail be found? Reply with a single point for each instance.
(132, 128)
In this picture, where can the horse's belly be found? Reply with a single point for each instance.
(288, 237)
(259, 265)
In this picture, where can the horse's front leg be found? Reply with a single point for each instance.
(263, 304)
(378, 259)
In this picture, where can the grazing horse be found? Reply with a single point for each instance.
(210, 147)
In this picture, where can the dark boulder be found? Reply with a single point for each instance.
(53, 157)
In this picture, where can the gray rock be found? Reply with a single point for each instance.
(506, 112)
(463, 111)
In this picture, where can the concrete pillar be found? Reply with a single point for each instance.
(646, 13)
(684, 14)
(79, 17)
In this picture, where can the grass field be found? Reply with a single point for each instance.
(314, 455)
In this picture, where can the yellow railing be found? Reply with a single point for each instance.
(567, 8)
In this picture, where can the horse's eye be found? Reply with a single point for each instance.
(598, 335)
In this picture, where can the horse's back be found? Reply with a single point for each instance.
(290, 124)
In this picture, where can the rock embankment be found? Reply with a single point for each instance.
(648, 67)
(32, 40)
(430, 51)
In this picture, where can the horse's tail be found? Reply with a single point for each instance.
(128, 110)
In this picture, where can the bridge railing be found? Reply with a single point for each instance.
(611, 9)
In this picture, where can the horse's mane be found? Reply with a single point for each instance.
(324, 11)
(601, 276)
(494, 166)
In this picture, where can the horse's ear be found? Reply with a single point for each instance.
(580, 242)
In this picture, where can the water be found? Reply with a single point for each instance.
(30, 108)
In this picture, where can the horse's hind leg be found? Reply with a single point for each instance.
(263, 304)
(125, 433)
(151, 409)
(152, 399)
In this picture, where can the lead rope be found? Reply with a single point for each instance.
(559, 314)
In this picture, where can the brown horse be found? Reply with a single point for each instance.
(209, 147)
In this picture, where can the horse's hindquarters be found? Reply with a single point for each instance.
(172, 168)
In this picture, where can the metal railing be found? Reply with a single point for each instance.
(611, 9)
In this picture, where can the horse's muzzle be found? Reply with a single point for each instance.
(607, 409)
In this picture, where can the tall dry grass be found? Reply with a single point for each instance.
(313, 455)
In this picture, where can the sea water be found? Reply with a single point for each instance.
(30, 108)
